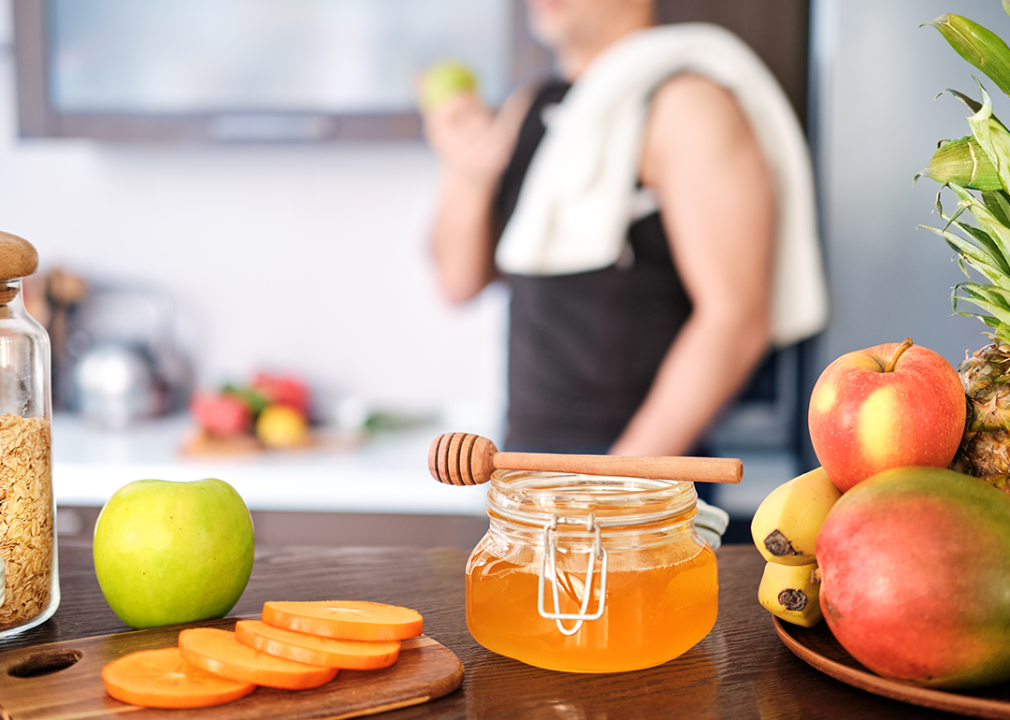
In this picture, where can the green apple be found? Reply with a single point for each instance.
(173, 552)
(443, 80)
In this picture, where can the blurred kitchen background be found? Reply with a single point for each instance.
(193, 234)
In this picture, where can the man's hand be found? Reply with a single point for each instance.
(469, 139)
(474, 145)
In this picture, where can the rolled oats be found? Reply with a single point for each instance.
(27, 534)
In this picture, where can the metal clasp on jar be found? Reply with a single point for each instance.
(596, 552)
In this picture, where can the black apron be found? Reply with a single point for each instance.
(584, 347)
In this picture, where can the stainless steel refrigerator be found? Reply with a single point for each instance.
(875, 115)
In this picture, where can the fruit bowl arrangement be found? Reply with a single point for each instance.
(271, 412)
(900, 541)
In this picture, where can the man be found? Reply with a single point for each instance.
(638, 359)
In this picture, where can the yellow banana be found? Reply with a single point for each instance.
(786, 524)
(791, 592)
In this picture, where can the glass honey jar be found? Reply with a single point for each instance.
(31, 589)
(590, 574)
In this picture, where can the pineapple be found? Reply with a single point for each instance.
(985, 447)
(976, 168)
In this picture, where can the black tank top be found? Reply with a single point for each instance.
(584, 347)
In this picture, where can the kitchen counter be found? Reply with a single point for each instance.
(387, 473)
(740, 671)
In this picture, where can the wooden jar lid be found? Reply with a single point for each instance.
(18, 257)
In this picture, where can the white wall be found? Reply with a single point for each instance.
(311, 259)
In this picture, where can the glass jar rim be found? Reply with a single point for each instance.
(538, 498)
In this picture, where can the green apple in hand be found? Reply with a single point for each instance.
(173, 552)
(443, 80)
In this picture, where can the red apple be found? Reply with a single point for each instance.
(221, 414)
(888, 406)
(283, 390)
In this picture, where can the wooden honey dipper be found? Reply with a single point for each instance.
(467, 459)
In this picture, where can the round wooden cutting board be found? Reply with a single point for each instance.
(425, 670)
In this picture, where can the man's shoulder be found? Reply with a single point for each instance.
(693, 106)
(689, 94)
(691, 115)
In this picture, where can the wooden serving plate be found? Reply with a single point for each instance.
(818, 648)
(64, 681)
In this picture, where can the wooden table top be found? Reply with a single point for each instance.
(741, 670)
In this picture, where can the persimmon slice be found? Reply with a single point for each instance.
(162, 679)
(316, 649)
(217, 651)
(345, 619)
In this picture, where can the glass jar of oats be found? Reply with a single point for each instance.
(31, 588)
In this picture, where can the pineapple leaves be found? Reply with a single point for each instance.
(998, 203)
(990, 252)
(964, 162)
(978, 45)
(976, 168)
(997, 300)
(993, 300)
(980, 161)
(997, 231)
(993, 137)
(971, 103)
(981, 259)
(986, 249)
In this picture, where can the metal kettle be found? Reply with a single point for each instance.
(116, 382)
(123, 364)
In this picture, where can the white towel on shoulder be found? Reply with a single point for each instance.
(577, 199)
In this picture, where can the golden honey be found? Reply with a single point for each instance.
(554, 534)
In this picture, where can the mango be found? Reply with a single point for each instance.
(915, 577)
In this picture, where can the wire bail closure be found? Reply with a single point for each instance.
(597, 552)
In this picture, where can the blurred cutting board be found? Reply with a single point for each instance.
(425, 670)
(200, 443)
